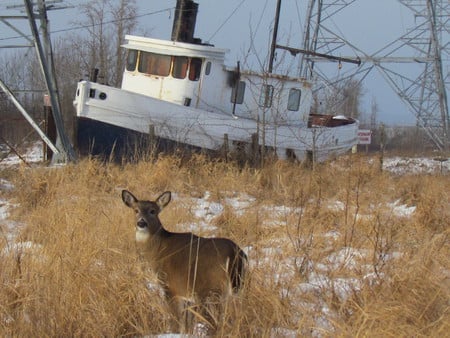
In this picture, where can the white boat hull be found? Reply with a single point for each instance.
(207, 129)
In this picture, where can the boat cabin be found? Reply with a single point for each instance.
(194, 75)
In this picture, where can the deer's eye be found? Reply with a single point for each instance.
(152, 212)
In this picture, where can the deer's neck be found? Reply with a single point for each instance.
(150, 243)
(150, 247)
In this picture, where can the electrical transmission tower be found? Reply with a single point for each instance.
(36, 13)
(425, 47)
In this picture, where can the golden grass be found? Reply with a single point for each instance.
(307, 233)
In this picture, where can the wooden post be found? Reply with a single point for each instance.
(314, 150)
(382, 145)
(254, 148)
(151, 138)
(225, 147)
(50, 128)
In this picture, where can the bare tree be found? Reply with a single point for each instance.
(351, 93)
(373, 113)
(107, 22)
(342, 98)
(124, 15)
(21, 73)
(94, 13)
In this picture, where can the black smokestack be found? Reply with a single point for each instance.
(184, 21)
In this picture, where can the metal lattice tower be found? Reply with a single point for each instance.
(38, 37)
(426, 46)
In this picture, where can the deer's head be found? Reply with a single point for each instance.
(147, 220)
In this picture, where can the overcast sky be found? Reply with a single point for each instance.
(369, 25)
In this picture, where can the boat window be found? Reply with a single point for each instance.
(180, 66)
(131, 59)
(294, 99)
(208, 68)
(265, 99)
(194, 69)
(237, 93)
(155, 64)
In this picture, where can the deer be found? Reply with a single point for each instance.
(187, 266)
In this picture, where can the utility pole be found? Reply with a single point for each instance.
(40, 40)
(45, 56)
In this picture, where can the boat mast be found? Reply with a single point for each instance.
(274, 37)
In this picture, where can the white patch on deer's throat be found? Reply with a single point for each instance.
(142, 235)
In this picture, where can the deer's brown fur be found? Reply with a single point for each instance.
(188, 266)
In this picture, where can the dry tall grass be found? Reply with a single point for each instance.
(329, 254)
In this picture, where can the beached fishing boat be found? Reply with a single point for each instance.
(181, 91)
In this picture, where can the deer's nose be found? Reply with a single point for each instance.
(141, 223)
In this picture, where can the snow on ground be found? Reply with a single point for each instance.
(419, 165)
(33, 155)
(206, 209)
(401, 210)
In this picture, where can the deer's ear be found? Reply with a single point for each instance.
(164, 199)
(128, 198)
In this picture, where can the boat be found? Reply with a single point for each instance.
(181, 92)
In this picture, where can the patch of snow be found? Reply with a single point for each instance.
(167, 335)
(345, 258)
(34, 154)
(333, 234)
(373, 278)
(200, 226)
(21, 248)
(344, 287)
(4, 206)
(401, 210)
(205, 209)
(240, 203)
(5, 185)
(8, 228)
(282, 210)
(336, 206)
(283, 332)
(408, 165)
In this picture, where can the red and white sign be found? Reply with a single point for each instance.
(364, 136)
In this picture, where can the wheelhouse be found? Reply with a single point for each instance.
(195, 75)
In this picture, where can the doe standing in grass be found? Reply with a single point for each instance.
(188, 266)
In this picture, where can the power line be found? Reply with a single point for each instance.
(225, 21)
(94, 25)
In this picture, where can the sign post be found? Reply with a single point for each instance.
(365, 137)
